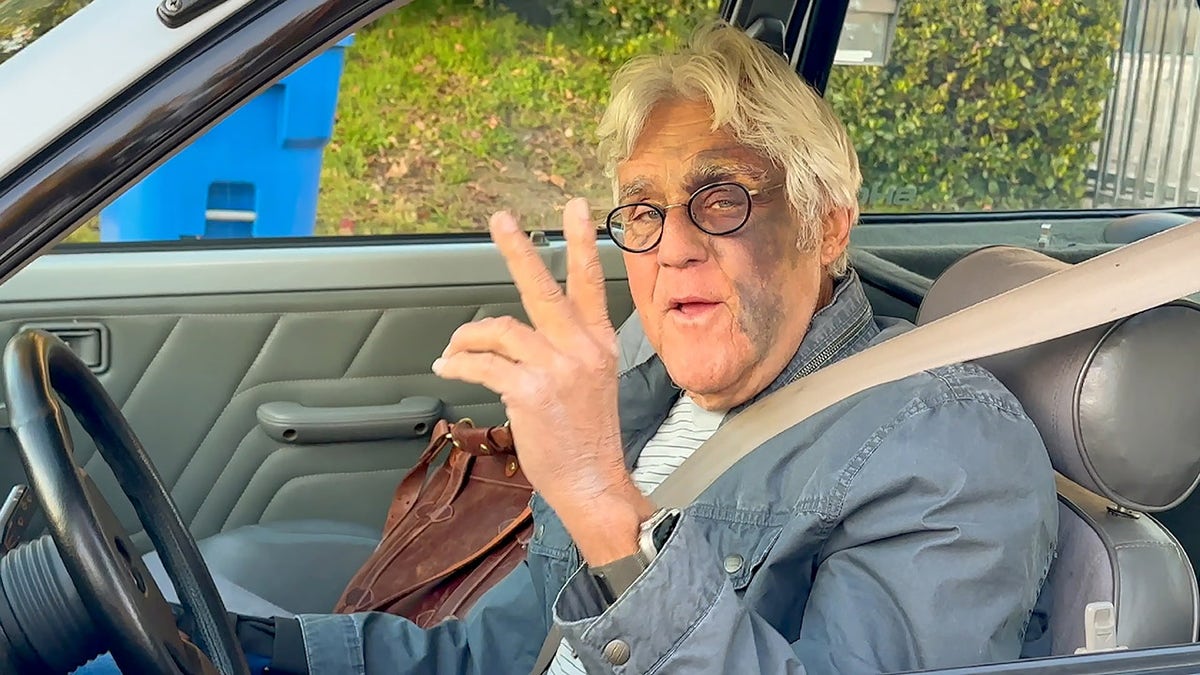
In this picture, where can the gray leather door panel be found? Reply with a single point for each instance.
(191, 370)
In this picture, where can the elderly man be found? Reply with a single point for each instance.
(909, 527)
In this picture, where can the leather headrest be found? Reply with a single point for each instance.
(1116, 405)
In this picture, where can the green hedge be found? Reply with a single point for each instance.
(615, 31)
(23, 21)
(984, 104)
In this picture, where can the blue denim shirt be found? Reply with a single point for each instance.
(910, 526)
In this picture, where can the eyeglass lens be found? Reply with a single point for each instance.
(718, 209)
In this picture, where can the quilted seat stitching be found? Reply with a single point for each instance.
(89, 461)
(317, 313)
(254, 361)
(363, 343)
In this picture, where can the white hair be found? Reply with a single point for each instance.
(756, 95)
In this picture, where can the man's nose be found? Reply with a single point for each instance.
(682, 242)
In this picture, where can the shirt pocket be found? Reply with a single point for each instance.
(741, 538)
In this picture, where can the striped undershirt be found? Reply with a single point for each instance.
(685, 428)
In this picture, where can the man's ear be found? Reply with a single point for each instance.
(835, 235)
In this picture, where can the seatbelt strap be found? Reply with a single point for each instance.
(1136, 277)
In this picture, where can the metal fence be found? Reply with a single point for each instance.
(1149, 152)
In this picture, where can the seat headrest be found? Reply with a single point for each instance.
(1115, 404)
(633, 349)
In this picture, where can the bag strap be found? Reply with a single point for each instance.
(482, 441)
(410, 488)
(461, 435)
(1119, 283)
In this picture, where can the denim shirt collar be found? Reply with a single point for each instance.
(839, 329)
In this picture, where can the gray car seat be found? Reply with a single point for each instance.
(1116, 407)
(283, 567)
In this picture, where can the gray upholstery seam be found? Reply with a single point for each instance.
(224, 518)
(234, 399)
(258, 355)
(216, 420)
(473, 405)
(1145, 544)
(358, 351)
(300, 478)
(238, 391)
(311, 313)
(88, 461)
(150, 364)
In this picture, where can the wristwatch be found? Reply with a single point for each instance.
(617, 576)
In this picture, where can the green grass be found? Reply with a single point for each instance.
(450, 110)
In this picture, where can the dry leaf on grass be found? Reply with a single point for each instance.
(398, 169)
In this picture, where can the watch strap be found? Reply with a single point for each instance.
(617, 576)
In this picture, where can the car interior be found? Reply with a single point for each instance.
(281, 392)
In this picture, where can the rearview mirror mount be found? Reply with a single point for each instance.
(867, 33)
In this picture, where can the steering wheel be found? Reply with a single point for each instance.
(111, 579)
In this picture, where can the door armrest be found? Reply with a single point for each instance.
(289, 422)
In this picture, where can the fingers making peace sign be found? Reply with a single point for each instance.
(557, 377)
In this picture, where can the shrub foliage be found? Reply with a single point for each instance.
(984, 104)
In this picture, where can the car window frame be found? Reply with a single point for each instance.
(808, 36)
(57, 89)
(60, 185)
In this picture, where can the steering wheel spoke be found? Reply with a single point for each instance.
(110, 576)
(149, 604)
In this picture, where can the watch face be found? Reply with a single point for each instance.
(663, 530)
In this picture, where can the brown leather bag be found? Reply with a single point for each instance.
(449, 536)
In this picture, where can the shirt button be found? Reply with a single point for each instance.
(617, 652)
(733, 563)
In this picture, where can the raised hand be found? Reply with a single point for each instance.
(558, 381)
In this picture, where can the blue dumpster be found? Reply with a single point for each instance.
(256, 174)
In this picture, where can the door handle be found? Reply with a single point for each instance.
(88, 339)
(289, 422)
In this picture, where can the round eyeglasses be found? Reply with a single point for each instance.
(717, 209)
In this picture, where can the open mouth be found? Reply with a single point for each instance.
(693, 307)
